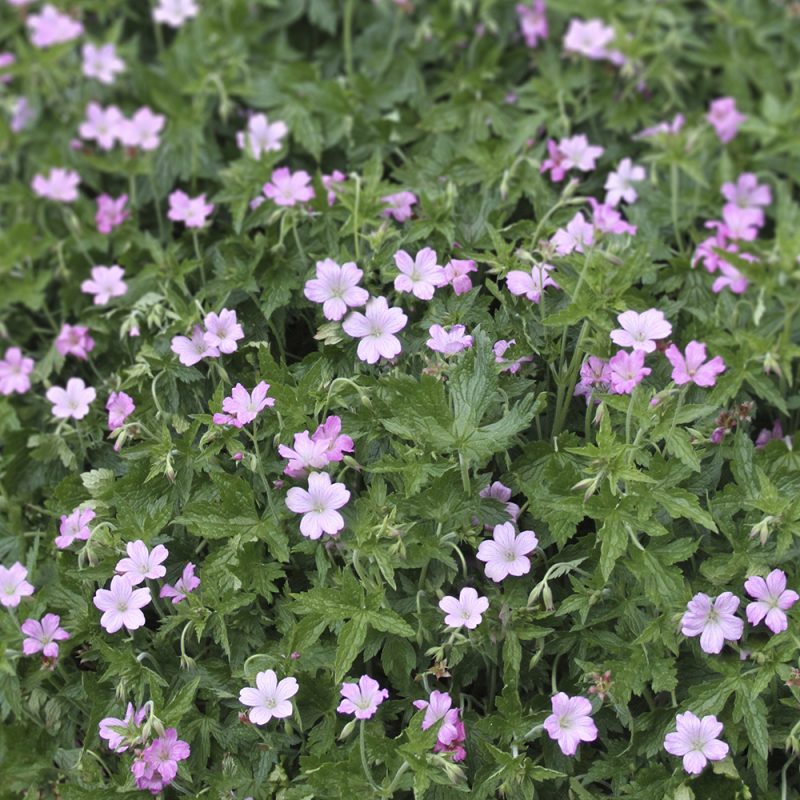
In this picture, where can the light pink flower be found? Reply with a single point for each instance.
(120, 733)
(15, 370)
(531, 284)
(505, 553)
(190, 351)
(222, 331)
(730, 278)
(399, 205)
(186, 584)
(639, 331)
(595, 375)
(619, 184)
(102, 125)
(448, 342)
(713, 621)
(500, 347)
(143, 130)
(466, 610)
(307, 454)
(119, 406)
(663, 128)
(6, 60)
(105, 283)
(554, 163)
(51, 27)
(101, 62)
(607, 219)
(60, 184)
(627, 371)
(456, 273)
(245, 406)
(261, 136)
(330, 432)
(193, 212)
(578, 234)
(451, 734)
(741, 224)
(362, 698)
(73, 401)
(43, 636)
(21, 114)
(142, 564)
(318, 505)
(724, 116)
(502, 494)
(270, 699)
(747, 192)
(436, 708)
(588, 38)
(13, 586)
(74, 526)
(121, 605)
(330, 181)
(110, 212)
(693, 367)
(156, 767)
(376, 328)
(421, 275)
(772, 600)
(570, 723)
(336, 287)
(696, 741)
(533, 21)
(288, 188)
(175, 12)
(766, 435)
(577, 153)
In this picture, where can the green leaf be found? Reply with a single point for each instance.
(349, 643)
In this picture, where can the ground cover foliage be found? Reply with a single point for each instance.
(637, 483)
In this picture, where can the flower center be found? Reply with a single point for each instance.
(511, 556)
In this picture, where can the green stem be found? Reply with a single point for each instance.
(675, 182)
(199, 256)
(465, 481)
(356, 226)
(161, 235)
(563, 397)
(628, 418)
(347, 37)
(395, 780)
(362, 743)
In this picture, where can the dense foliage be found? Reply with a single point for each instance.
(290, 539)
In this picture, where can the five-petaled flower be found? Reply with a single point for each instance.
(772, 600)
(420, 275)
(450, 341)
(270, 698)
(15, 370)
(287, 188)
(74, 526)
(336, 287)
(363, 698)
(464, 611)
(570, 723)
(506, 552)
(713, 621)
(695, 740)
(142, 564)
(121, 604)
(222, 331)
(72, 401)
(105, 283)
(186, 584)
(376, 328)
(13, 585)
(42, 636)
(693, 367)
(318, 505)
(639, 331)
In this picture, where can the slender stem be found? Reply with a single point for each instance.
(199, 256)
(159, 218)
(678, 406)
(347, 37)
(628, 418)
(675, 182)
(399, 774)
(356, 225)
(365, 763)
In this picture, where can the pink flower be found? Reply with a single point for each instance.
(73, 401)
(456, 273)
(222, 331)
(772, 600)
(724, 116)
(143, 130)
(119, 406)
(141, 563)
(663, 128)
(607, 219)
(261, 136)
(713, 622)
(190, 351)
(500, 347)
(245, 406)
(448, 342)
(502, 494)
(21, 114)
(13, 586)
(330, 181)
(531, 284)
(270, 698)
(101, 62)
(640, 331)
(399, 205)
(362, 698)
(186, 584)
(307, 454)
(619, 184)
(595, 375)
(157, 766)
(693, 367)
(730, 278)
(627, 371)
(742, 224)
(589, 38)
(318, 505)
(6, 60)
(193, 212)
(289, 188)
(451, 735)
(110, 212)
(766, 435)
(577, 153)
(15, 370)
(42, 637)
(60, 184)
(533, 22)
(747, 192)
(376, 328)
(175, 12)
(74, 526)
(696, 741)
(466, 610)
(505, 553)
(101, 125)
(420, 276)
(554, 163)
(570, 723)
(105, 283)
(51, 27)
(330, 432)
(336, 287)
(121, 605)
(436, 708)
(574, 237)
(121, 733)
